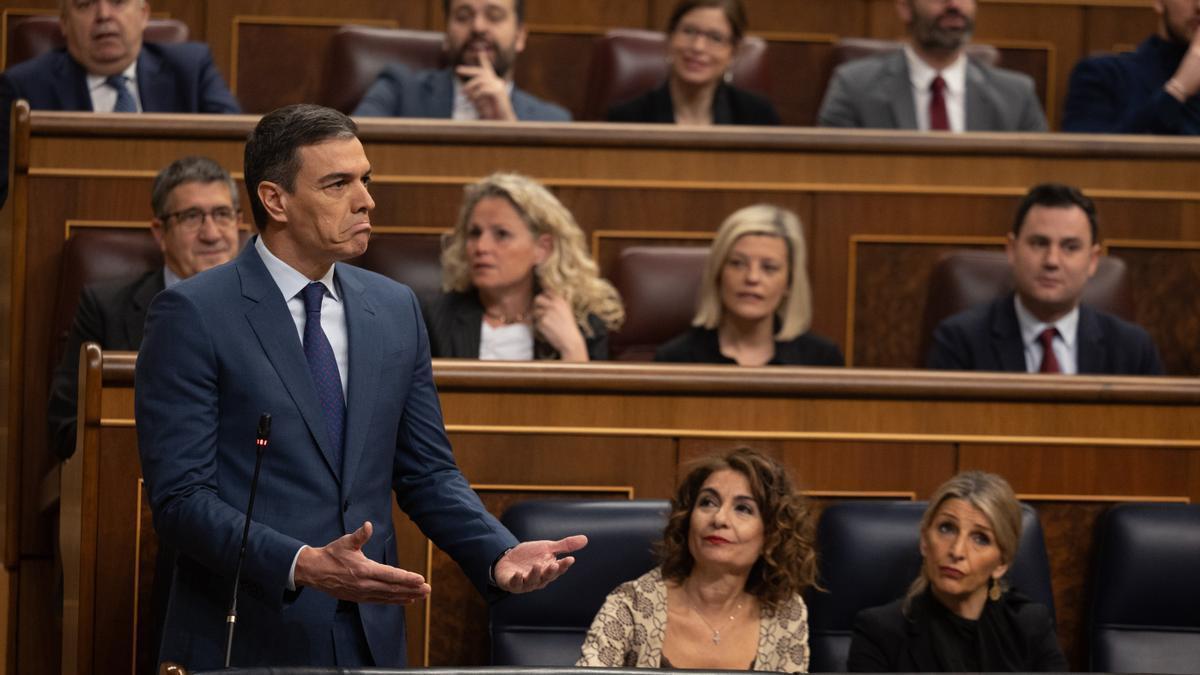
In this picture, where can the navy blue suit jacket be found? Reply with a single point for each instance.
(988, 337)
(402, 92)
(1123, 93)
(219, 349)
(172, 78)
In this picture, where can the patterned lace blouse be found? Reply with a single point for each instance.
(629, 629)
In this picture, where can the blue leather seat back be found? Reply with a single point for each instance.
(547, 627)
(869, 555)
(1146, 590)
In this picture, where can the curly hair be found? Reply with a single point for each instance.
(764, 220)
(568, 271)
(788, 562)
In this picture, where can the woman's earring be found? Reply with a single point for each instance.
(994, 592)
(729, 76)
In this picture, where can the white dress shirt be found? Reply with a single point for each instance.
(1066, 346)
(333, 312)
(104, 97)
(921, 76)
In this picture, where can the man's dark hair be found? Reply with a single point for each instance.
(271, 148)
(518, 8)
(735, 13)
(1057, 196)
(193, 169)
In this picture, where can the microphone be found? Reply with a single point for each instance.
(261, 441)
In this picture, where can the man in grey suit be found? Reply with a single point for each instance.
(483, 39)
(930, 84)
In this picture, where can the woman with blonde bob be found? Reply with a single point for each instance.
(958, 615)
(736, 553)
(518, 282)
(755, 304)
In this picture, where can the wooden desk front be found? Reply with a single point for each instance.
(1070, 445)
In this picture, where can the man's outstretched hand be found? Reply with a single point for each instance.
(340, 569)
(534, 564)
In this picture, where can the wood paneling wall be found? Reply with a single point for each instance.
(1070, 445)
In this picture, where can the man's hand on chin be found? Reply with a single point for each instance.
(341, 570)
(534, 564)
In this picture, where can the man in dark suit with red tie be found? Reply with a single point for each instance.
(1054, 248)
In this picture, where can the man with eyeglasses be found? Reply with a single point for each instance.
(483, 39)
(196, 225)
(106, 67)
(931, 84)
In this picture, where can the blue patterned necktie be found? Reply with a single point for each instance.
(324, 369)
(125, 102)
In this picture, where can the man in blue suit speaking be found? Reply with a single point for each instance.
(339, 357)
(107, 68)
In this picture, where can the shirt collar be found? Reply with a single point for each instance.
(96, 81)
(921, 75)
(169, 277)
(1032, 327)
(287, 278)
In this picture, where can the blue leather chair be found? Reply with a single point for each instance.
(547, 627)
(1146, 590)
(868, 553)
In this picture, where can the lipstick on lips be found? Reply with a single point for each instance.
(950, 572)
(715, 540)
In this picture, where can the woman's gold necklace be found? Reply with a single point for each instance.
(716, 632)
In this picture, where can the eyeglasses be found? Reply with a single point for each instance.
(715, 38)
(192, 219)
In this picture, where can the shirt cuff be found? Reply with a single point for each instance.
(291, 585)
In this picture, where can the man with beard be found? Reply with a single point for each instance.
(1150, 91)
(483, 38)
(930, 84)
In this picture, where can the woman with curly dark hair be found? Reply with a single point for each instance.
(736, 553)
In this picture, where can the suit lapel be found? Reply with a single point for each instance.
(1090, 350)
(135, 319)
(981, 108)
(276, 331)
(71, 87)
(155, 88)
(440, 94)
(366, 356)
(897, 89)
(1006, 336)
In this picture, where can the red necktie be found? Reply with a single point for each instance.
(938, 119)
(1049, 360)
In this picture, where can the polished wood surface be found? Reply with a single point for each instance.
(1070, 445)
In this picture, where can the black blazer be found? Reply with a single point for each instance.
(885, 640)
(453, 321)
(988, 337)
(730, 106)
(702, 345)
(111, 314)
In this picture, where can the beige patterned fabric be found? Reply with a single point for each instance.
(628, 631)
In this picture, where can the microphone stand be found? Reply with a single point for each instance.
(261, 442)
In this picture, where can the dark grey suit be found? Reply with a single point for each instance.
(401, 92)
(876, 93)
(111, 314)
